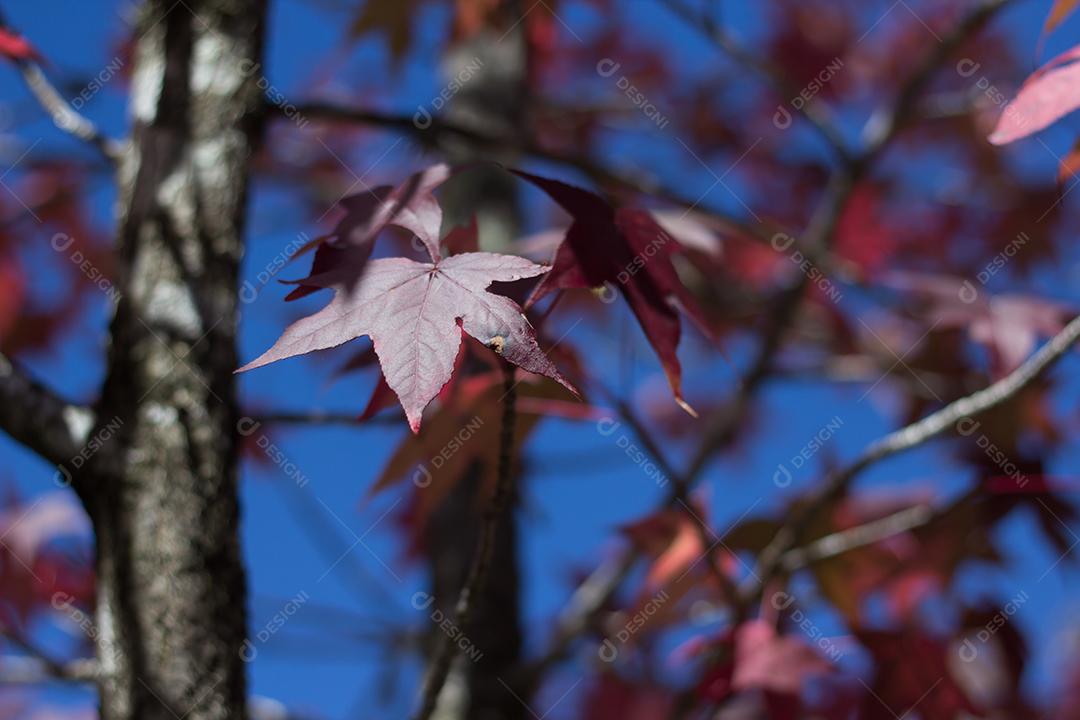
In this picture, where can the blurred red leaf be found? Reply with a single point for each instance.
(16, 47)
(630, 250)
(1052, 92)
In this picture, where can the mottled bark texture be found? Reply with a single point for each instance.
(171, 590)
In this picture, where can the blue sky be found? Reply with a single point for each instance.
(353, 577)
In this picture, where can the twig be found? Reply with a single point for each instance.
(680, 491)
(879, 132)
(580, 613)
(818, 235)
(771, 558)
(22, 670)
(324, 418)
(62, 113)
(481, 562)
(437, 130)
(36, 666)
(843, 541)
(38, 418)
(817, 113)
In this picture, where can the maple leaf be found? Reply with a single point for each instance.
(411, 206)
(1009, 326)
(629, 249)
(1049, 94)
(415, 313)
(912, 668)
(757, 658)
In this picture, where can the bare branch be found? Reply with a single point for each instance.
(814, 244)
(883, 128)
(39, 419)
(22, 670)
(843, 541)
(62, 113)
(324, 418)
(816, 241)
(436, 131)
(36, 666)
(951, 416)
(817, 113)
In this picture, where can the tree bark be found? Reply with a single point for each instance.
(171, 592)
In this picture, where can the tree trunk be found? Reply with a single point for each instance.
(171, 591)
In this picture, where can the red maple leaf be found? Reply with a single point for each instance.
(411, 206)
(627, 248)
(415, 313)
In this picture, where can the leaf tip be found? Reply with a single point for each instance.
(686, 406)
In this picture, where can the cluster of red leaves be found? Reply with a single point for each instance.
(418, 312)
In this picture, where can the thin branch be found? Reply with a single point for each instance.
(481, 561)
(581, 613)
(882, 129)
(816, 112)
(815, 242)
(771, 559)
(62, 113)
(681, 493)
(38, 418)
(323, 418)
(843, 541)
(878, 134)
(22, 670)
(436, 130)
(36, 666)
